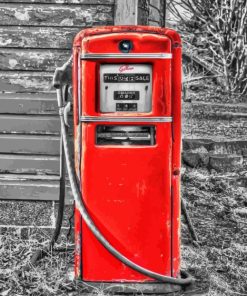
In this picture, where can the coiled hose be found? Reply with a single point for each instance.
(186, 278)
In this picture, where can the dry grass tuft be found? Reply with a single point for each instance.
(49, 277)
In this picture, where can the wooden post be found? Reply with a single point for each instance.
(143, 12)
(126, 12)
(155, 13)
(164, 13)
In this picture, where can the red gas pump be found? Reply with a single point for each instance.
(127, 139)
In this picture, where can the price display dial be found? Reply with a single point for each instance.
(125, 88)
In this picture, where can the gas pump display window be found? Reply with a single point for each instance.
(130, 78)
(125, 88)
(125, 135)
(126, 95)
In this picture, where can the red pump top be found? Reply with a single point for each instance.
(173, 35)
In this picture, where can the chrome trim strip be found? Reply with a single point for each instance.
(125, 119)
(92, 56)
(79, 86)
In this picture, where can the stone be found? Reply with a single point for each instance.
(195, 144)
(242, 212)
(191, 159)
(225, 162)
(195, 159)
(230, 147)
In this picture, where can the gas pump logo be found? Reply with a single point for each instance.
(124, 68)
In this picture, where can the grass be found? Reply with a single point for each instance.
(222, 232)
(219, 263)
(49, 277)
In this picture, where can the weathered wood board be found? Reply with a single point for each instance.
(32, 187)
(32, 59)
(37, 37)
(126, 12)
(25, 103)
(29, 124)
(143, 12)
(154, 18)
(55, 15)
(29, 144)
(29, 164)
(65, 2)
(25, 81)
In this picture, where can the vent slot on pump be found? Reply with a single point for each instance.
(125, 135)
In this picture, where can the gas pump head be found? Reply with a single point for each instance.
(127, 139)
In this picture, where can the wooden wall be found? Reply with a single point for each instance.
(35, 37)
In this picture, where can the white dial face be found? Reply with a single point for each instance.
(125, 88)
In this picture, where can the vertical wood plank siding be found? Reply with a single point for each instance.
(126, 12)
(155, 17)
(36, 37)
(143, 12)
(150, 12)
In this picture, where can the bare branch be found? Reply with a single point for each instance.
(218, 29)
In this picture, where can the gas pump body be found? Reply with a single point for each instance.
(127, 139)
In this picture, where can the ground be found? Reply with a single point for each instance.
(214, 183)
(218, 211)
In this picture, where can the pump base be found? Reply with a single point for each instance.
(133, 287)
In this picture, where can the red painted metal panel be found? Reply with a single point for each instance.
(176, 78)
(78, 233)
(127, 192)
(131, 192)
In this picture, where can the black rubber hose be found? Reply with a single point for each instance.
(61, 202)
(41, 253)
(186, 280)
(62, 182)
